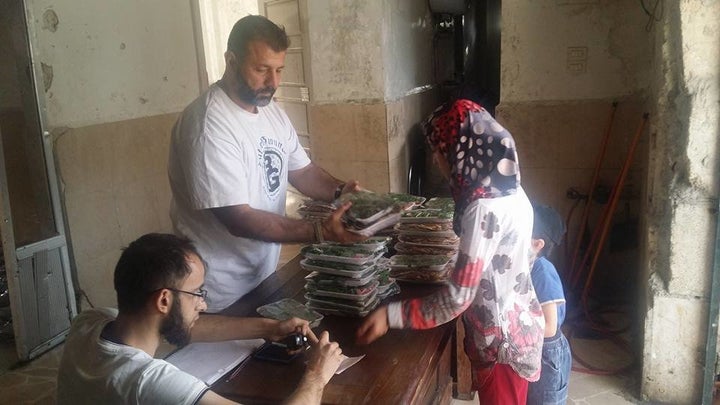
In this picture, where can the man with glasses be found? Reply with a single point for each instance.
(108, 355)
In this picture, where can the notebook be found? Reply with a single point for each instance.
(208, 361)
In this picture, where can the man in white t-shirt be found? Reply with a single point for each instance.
(233, 152)
(108, 354)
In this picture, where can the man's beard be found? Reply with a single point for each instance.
(259, 98)
(173, 328)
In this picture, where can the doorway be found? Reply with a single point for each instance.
(36, 299)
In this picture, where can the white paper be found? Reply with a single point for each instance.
(347, 363)
(210, 361)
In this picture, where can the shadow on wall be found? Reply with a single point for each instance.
(424, 178)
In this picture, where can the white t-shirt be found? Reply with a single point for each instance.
(97, 371)
(222, 155)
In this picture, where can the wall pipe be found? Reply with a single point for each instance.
(611, 208)
(574, 266)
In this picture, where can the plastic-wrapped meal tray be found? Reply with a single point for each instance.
(287, 308)
(444, 225)
(385, 222)
(341, 306)
(407, 249)
(324, 267)
(367, 207)
(420, 276)
(372, 244)
(443, 203)
(406, 201)
(332, 279)
(432, 234)
(426, 215)
(348, 293)
(428, 262)
(339, 253)
(444, 242)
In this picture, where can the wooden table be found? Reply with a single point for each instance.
(402, 367)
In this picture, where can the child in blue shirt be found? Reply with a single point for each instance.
(552, 388)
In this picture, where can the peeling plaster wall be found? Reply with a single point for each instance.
(346, 40)
(116, 75)
(682, 199)
(115, 60)
(535, 41)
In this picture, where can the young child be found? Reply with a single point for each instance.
(490, 286)
(552, 388)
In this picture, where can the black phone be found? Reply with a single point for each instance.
(275, 353)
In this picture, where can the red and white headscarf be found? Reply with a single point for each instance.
(481, 153)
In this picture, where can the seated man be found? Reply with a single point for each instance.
(108, 355)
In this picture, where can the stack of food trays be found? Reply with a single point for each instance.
(347, 279)
(430, 269)
(427, 234)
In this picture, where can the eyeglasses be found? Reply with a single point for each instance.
(201, 293)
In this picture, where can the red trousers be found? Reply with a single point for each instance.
(500, 385)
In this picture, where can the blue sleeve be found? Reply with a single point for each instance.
(547, 282)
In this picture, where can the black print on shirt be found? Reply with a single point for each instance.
(271, 159)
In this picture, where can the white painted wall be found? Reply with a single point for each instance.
(407, 49)
(535, 40)
(116, 60)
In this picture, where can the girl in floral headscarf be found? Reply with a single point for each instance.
(490, 284)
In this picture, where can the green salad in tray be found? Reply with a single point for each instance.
(442, 203)
(427, 213)
(367, 206)
(415, 261)
(349, 254)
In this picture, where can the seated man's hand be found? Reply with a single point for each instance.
(325, 358)
(293, 325)
(334, 229)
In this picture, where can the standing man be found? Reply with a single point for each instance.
(108, 355)
(232, 153)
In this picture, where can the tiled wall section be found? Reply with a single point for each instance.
(558, 145)
(350, 142)
(367, 141)
(115, 188)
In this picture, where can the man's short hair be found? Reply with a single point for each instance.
(256, 28)
(152, 262)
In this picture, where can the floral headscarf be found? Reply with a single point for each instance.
(481, 153)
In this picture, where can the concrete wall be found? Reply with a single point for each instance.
(374, 81)
(682, 200)
(557, 102)
(543, 44)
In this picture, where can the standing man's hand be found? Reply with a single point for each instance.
(351, 186)
(334, 229)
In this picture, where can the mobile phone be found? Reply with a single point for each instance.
(275, 353)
